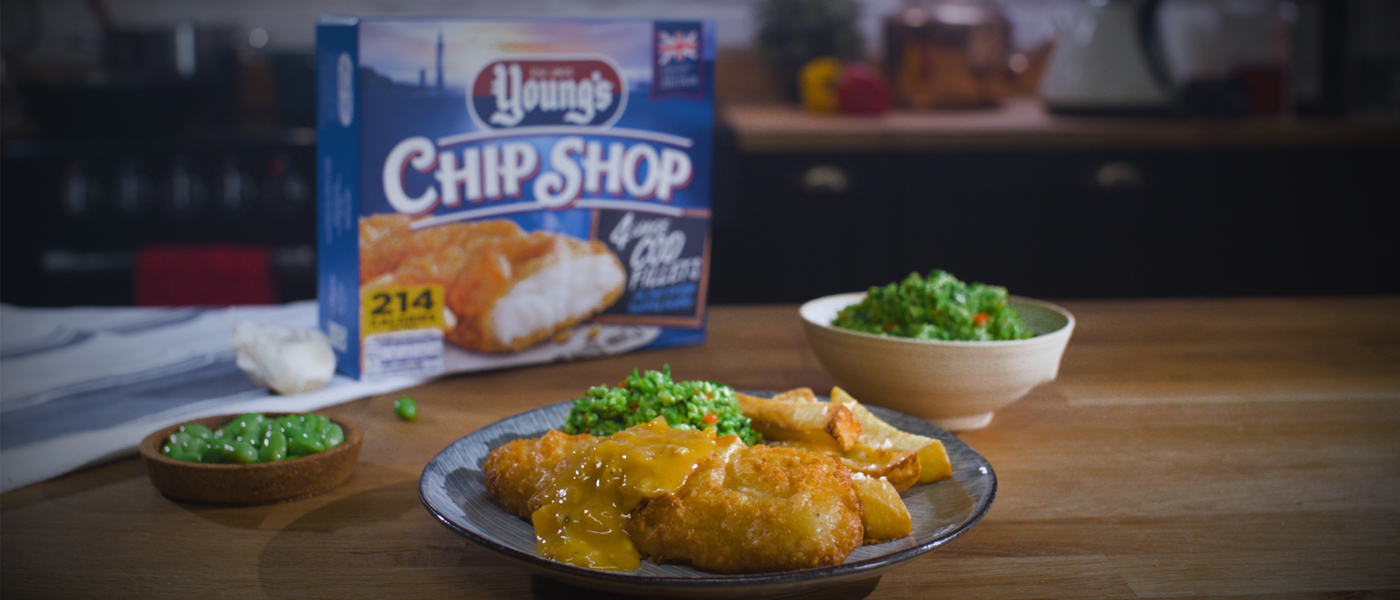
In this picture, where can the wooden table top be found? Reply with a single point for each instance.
(1237, 447)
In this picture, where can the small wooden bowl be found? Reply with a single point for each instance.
(251, 484)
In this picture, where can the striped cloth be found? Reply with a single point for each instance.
(80, 386)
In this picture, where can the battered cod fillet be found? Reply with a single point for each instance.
(383, 240)
(517, 471)
(506, 289)
(743, 509)
(754, 509)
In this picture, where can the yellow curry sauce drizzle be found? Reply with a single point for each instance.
(596, 486)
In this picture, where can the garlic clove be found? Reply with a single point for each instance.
(288, 361)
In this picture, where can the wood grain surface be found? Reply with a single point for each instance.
(1242, 448)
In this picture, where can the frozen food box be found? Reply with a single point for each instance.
(503, 192)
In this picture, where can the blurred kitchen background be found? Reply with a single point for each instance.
(162, 151)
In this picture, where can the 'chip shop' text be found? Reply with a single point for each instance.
(574, 166)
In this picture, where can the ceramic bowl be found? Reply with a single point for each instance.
(954, 385)
(251, 484)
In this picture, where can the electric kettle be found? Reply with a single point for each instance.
(1108, 62)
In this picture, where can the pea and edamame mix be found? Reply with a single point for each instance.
(253, 438)
(606, 410)
(939, 307)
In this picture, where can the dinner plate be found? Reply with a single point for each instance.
(453, 489)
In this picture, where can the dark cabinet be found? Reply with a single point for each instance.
(802, 226)
(1084, 222)
(1154, 222)
(77, 213)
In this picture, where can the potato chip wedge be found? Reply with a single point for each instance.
(885, 516)
(933, 457)
(900, 468)
(802, 394)
(823, 424)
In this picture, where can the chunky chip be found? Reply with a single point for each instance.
(885, 516)
(934, 463)
(901, 469)
(823, 425)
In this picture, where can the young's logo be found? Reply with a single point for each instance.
(543, 91)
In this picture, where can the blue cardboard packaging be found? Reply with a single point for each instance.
(503, 192)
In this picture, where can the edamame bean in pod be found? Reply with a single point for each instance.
(253, 437)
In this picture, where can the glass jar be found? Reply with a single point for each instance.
(947, 54)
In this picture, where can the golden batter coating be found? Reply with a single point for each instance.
(517, 471)
(383, 241)
(741, 510)
(754, 509)
(479, 264)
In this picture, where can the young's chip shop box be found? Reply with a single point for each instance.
(502, 192)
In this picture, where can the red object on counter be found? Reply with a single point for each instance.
(213, 275)
(862, 91)
(1266, 87)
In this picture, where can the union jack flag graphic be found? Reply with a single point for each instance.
(678, 46)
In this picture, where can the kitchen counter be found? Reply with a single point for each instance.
(1013, 194)
(1232, 447)
(1023, 123)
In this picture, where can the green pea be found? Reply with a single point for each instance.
(406, 409)
(275, 447)
(240, 452)
(334, 436)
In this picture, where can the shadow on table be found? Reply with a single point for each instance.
(543, 587)
(362, 553)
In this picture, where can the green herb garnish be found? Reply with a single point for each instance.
(939, 307)
(643, 396)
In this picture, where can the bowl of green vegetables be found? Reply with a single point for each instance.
(250, 459)
(949, 352)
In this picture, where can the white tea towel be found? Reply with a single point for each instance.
(79, 386)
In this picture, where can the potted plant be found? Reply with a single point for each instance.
(793, 32)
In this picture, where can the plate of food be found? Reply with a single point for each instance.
(691, 489)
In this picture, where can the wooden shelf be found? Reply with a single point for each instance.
(1024, 123)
